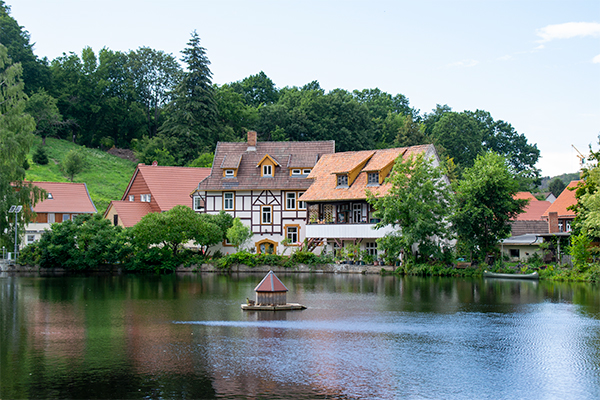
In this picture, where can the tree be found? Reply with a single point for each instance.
(192, 115)
(556, 186)
(73, 164)
(43, 108)
(587, 208)
(419, 203)
(485, 205)
(40, 157)
(238, 234)
(148, 150)
(257, 90)
(460, 138)
(174, 228)
(204, 160)
(16, 137)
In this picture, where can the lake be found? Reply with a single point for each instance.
(184, 336)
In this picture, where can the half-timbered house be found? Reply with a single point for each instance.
(261, 183)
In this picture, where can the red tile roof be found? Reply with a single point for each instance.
(129, 212)
(169, 186)
(525, 196)
(566, 199)
(67, 197)
(533, 211)
(249, 175)
(270, 283)
(325, 179)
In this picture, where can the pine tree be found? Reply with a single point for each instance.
(192, 115)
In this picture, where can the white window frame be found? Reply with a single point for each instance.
(30, 239)
(66, 217)
(342, 180)
(145, 198)
(228, 202)
(266, 217)
(306, 171)
(296, 172)
(267, 170)
(229, 173)
(301, 205)
(357, 209)
(295, 232)
(290, 200)
(197, 201)
(373, 178)
(131, 197)
(51, 218)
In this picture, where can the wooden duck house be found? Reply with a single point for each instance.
(271, 294)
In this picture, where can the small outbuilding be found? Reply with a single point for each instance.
(271, 291)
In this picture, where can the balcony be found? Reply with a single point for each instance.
(349, 231)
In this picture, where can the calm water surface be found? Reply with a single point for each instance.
(184, 336)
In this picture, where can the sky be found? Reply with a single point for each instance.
(532, 63)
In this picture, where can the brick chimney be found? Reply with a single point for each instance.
(251, 140)
(553, 222)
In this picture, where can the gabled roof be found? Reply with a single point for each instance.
(129, 212)
(351, 160)
(566, 199)
(168, 186)
(270, 283)
(533, 211)
(232, 161)
(249, 177)
(525, 196)
(67, 197)
(325, 180)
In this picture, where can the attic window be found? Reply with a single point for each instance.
(296, 172)
(131, 197)
(267, 170)
(145, 198)
(342, 181)
(50, 196)
(306, 171)
(229, 173)
(373, 179)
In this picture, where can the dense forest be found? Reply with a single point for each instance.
(169, 110)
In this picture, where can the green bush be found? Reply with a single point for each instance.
(40, 157)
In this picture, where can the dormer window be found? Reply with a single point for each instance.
(229, 173)
(296, 172)
(373, 179)
(342, 181)
(306, 171)
(267, 170)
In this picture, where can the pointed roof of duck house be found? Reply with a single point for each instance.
(270, 283)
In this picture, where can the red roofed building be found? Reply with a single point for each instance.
(558, 217)
(64, 200)
(261, 183)
(153, 188)
(530, 220)
(338, 211)
(271, 291)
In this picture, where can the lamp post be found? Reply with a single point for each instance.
(16, 210)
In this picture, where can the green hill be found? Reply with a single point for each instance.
(106, 175)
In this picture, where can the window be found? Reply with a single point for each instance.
(145, 198)
(371, 248)
(514, 253)
(290, 200)
(115, 219)
(356, 213)
(306, 171)
(228, 201)
(373, 178)
(292, 234)
(266, 213)
(229, 173)
(266, 246)
(66, 217)
(51, 218)
(30, 239)
(301, 204)
(342, 180)
(131, 197)
(198, 203)
(50, 196)
(267, 170)
(296, 172)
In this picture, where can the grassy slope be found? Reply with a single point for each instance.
(106, 175)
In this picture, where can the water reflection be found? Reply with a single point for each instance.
(184, 336)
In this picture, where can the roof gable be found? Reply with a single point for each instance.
(129, 212)
(563, 201)
(267, 157)
(67, 197)
(270, 283)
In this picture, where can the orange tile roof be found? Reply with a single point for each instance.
(67, 197)
(129, 212)
(533, 211)
(325, 180)
(169, 186)
(351, 160)
(566, 199)
(525, 196)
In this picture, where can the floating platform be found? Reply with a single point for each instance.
(268, 307)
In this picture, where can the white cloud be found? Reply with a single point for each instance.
(568, 30)
(505, 58)
(464, 63)
(596, 60)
